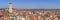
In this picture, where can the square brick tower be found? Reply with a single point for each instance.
(10, 8)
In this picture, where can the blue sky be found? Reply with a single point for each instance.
(31, 4)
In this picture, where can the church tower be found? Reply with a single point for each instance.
(10, 7)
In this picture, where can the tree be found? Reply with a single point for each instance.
(46, 15)
(12, 19)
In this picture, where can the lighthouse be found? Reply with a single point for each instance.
(10, 7)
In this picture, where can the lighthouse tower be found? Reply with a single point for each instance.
(10, 7)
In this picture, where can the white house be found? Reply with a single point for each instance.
(20, 18)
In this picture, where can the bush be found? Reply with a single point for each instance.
(12, 19)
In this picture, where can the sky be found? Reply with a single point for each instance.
(31, 4)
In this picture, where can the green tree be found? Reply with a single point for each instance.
(12, 19)
(46, 15)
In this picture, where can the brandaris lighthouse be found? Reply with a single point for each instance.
(10, 8)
